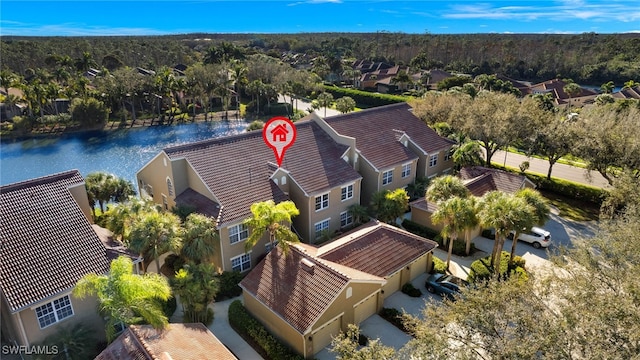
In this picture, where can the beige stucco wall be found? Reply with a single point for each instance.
(336, 206)
(84, 311)
(371, 180)
(155, 174)
(79, 193)
(230, 251)
(441, 165)
(398, 181)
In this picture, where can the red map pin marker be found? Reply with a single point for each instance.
(279, 133)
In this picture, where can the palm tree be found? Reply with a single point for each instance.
(607, 87)
(456, 214)
(630, 84)
(359, 213)
(572, 89)
(121, 217)
(402, 79)
(125, 298)
(200, 238)
(389, 205)
(538, 216)
(256, 88)
(325, 100)
(444, 187)
(155, 234)
(197, 286)
(75, 342)
(274, 219)
(85, 62)
(468, 153)
(504, 213)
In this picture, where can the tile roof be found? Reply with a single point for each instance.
(114, 247)
(375, 133)
(480, 180)
(203, 204)
(627, 93)
(299, 293)
(425, 205)
(556, 87)
(378, 249)
(237, 168)
(47, 244)
(177, 341)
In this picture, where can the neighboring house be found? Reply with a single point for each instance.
(628, 93)
(434, 77)
(389, 147)
(177, 341)
(223, 177)
(367, 66)
(370, 80)
(556, 88)
(312, 294)
(479, 180)
(47, 243)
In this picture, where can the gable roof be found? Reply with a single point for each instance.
(47, 243)
(375, 131)
(627, 93)
(177, 341)
(297, 287)
(556, 88)
(237, 168)
(368, 249)
(480, 180)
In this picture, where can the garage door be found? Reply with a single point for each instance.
(322, 337)
(393, 284)
(365, 309)
(419, 267)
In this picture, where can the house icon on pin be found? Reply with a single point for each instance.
(280, 133)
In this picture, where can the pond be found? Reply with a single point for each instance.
(120, 152)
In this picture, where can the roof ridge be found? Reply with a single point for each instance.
(39, 181)
(365, 111)
(135, 330)
(217, 140)
(319, 261)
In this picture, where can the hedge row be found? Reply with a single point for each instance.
(481, 269)
(248, 327)
(365, 98)
(439, 266)
(567, 188)
(459, 246)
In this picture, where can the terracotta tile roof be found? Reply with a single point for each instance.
(299, 293)
(177, 341)
(480, 180)
(237, 168)
(425, 205)
(378, 249)
(375, 132)
(114, 248)
(628, 93)
(556, 87)
(47, 244)
(202, 204)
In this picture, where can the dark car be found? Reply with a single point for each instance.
(445, 285)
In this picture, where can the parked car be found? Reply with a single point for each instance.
(445, 285)
(537, 237)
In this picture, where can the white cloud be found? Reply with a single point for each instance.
(75, 29)
(315, 2)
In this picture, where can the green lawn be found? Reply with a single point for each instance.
(572, 209)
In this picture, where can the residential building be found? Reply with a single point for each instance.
(479, 180)
(313, 293)
(47, 243)
(555, 87)
(628, 93)
(177, 341)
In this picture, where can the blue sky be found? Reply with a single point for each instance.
(75, 18)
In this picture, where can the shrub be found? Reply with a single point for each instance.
(189, 317)
(89, 112)
(418, 229)
(364, 97)
(169, 307)
(487, 233)
(481, 269)
(394, 316)
(459, 246)
(255, 125)
(362, 340)
(229, 288)
(256, 334)
(278, 109)
(439, 266)
(411, 290)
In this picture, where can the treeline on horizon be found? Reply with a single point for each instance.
(588, 58)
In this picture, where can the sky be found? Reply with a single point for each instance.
(85, 18)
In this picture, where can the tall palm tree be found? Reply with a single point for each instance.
(572, 89)
(503, 212)
(275, 220)
(121, 217)
(402, 78)
(359, 213)
(155, 234)
(538, 215)
(607, 87)
(444, 187)
(124, 297)
(325, 100)
(468, 153)
(456, 214)
(200, 238)
(630, 84)
(85, 62)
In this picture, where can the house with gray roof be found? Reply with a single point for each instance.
(47, 243)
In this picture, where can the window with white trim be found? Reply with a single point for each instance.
(238, 233)
(448, 155)
(406, 170)
(268, 247)
(346, 192)
(169, 187)
(346, 219)
(52, 312)
(387, 177)
(241, 263)
(321, 226)
(433, 160)
(322, 202)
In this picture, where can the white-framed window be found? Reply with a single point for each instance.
(241, 263)
(268, 247)
(387, 177)
(346, 192)
(433, 160)
(322, 201)
(54, 311)
(238, 233)
(346, 219)
(321, 226)
(169, 187)
(406, 170)
(448, 155)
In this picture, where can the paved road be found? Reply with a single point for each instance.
(561, 171)
(306, 105)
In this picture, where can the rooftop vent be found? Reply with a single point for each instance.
(307, 265)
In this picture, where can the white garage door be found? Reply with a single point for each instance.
(322, 337)
(365, 309)
(393, 284)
